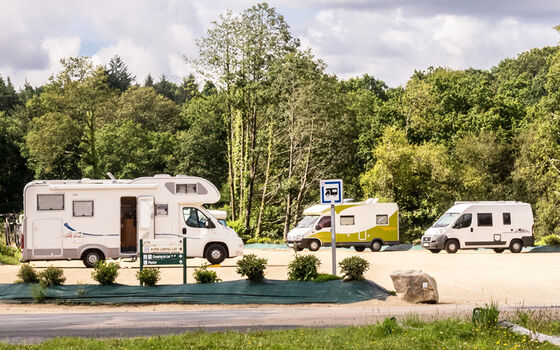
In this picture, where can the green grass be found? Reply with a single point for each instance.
(538, 321)
(9, 255)
(389, 334)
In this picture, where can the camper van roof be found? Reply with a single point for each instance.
(317, 209)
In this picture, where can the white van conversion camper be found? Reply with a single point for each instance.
(97, 219)
(468, 225)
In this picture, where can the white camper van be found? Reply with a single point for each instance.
(468, 225)
(362, 225)
(98, 219)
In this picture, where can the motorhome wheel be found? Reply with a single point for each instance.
(359, 248)
(376, 246)
(435, 251)
(516, 246)
(91, 257)
(314, 245)
(499, 250)
(452, 246)
(215, 254)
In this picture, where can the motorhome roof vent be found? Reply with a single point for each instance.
(161, 176)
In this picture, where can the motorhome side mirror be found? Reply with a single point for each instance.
(184, 230)
(317, 227)
(209, 224)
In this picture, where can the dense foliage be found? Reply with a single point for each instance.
(303, 268)
(251, 266)
(268, 123)
(353, 268)
(105, 273)
(148, 276)
(202, 275)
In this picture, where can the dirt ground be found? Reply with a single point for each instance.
(465, 278)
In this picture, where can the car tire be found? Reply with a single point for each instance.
(359, 248)
(314, 245)
(451, 246)
(435, 251)
(215, 253)
(299, 249)
(92, 257)
(376, 246)
(515, 246)
(499, 250)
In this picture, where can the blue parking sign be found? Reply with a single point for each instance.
(331, 191)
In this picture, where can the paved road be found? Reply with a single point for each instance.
(32, 328)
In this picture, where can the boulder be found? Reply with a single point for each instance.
(415, 286)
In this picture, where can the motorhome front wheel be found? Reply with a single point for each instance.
(314, 245)
(376, 246)
(452, 246)
(215, 254)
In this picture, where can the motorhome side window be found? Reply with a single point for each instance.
(382, 219)
(347, 220)
(162, 209)
(507, 218)
(464, 221)
(325, 221)
(484, 219)
(82, 208)
(195, 218)
(185, 188)
(50, 202)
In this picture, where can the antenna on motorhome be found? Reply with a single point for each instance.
(111, 177)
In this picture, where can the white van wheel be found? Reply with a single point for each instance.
(452, 246)
(92, 257)
(215, 254)
(516, 246)
(314, 245)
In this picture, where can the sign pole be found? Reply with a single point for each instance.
(184, 260)
(141, 257)
(333, 239)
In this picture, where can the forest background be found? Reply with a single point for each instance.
(264, 122)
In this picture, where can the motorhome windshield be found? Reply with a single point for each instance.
(307, 221)
(446, 219)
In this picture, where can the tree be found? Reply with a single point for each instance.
(166, 88)
(149, 81)
(148, 108)
(118, 76)
(8, 96)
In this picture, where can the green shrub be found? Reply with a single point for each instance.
(148, 276)
(303, 268)
(203, 275)
(325, 277)
(390, 326)
(51, 276)
(27, 274)
(353, 268)
(552, 240)
(251, 266)
(105, 273)
(487, 316)
(38, 292)
(239, 227)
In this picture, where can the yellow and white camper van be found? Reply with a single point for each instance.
(367, 224)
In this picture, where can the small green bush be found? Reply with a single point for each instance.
(38, 292)
(51, 276)
(105, 273)
(325, 277)
(202, 275)
(390, 326)
(487, 316)
(353, 268)
(303, 268)
(251, 266)
(552, 240)
(148, 276)
(27, 274)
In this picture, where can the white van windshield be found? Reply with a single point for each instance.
(307, 221)
(446, 219)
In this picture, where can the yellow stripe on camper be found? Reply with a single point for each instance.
(385, 232)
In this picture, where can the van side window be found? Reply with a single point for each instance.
(382, 219)
(185, 188)
(324, 221)
(162, 209)
(347, 220)
(50, 202)
(507, 218)
(195, 218)
(464, 221)
(484, 219)
(82, 208)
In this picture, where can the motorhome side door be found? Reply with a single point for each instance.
(462, 229)
(145, 217)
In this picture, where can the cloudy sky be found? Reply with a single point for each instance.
(385, 38)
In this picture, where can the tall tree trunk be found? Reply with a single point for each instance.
(231, 174)
(266, 177)
(303, 186)
(253, 163)
(288, 213)
(93, 151)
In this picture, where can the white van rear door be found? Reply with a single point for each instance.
(145, 217)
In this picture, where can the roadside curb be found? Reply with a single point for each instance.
(534, 335)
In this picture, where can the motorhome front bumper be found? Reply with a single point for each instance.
(297, 244)
(433, 243)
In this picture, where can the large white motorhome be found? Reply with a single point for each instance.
(93, 220)
(469, 225)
